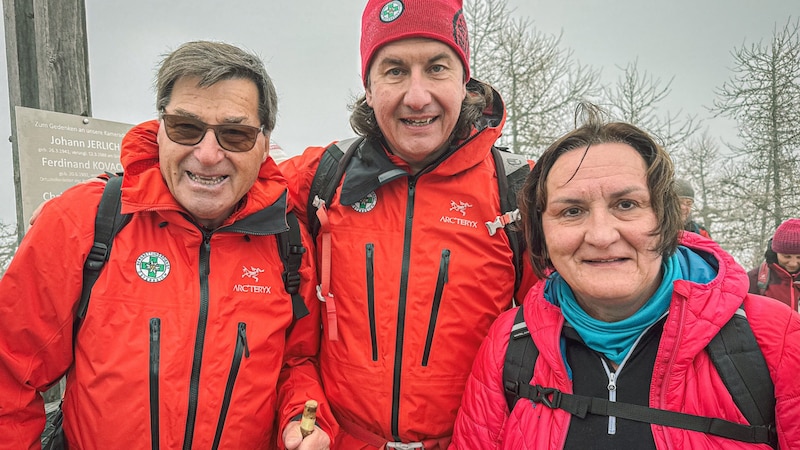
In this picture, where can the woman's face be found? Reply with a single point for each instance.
(597, 226)
(789, 262)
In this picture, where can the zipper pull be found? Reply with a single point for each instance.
(612, 397)
(243, 338)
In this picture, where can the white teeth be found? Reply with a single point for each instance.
(419, 122)
(205, 180)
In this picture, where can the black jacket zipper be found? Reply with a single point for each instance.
(241, 349)
(444, 265)
(155, 359)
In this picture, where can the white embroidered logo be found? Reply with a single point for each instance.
(252, 272)
(460, 207)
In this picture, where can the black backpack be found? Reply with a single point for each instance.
(734, 352)
(109, 222)
(512, 169)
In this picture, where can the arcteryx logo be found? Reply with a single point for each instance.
(460, 207)
(252, 272)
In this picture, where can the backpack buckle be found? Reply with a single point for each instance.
(502, 220)
(550, 397)
(97, 256)
(404, 446)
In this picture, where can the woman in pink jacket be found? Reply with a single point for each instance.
(624, 317)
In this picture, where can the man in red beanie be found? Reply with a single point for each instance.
(779, 275)
(415, 277)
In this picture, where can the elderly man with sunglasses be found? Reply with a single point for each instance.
(190, 339)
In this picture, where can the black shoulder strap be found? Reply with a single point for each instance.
(520, 360)
(741, 365)
(106, 225)
(291, 250)
(734, 352)
(329, 172)
(512, 169)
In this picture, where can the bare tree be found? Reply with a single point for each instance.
(636, 99)
(699, 160)
(539, 81)
(8, 245)
(763, 96)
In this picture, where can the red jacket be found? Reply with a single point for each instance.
(781, 285)
(217, 295)
(417, 281)
(684, 378)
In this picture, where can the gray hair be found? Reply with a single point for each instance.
(213, 62)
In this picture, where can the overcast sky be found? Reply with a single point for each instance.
(310, 48)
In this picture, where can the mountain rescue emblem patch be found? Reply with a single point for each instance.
(152, 267)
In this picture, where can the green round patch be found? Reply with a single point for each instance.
(152, 267)
(391, 11)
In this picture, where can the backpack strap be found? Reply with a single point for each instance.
(763, 278)
(580, 406)
(331, 169)
(520, 360)
(741, 365)
(733, 351)
(291, 250)
(326, 178)
(107, 224)
(512, 169)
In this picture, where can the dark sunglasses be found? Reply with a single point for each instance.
(189, 131)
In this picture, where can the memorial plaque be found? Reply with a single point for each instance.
(58, 150)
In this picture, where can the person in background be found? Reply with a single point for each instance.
(779, 275)
(194, 279)
(624, 311)
(685, 193)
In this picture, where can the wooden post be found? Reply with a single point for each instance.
(48, 64)
(48, 68)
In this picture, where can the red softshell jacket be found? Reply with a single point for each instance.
(191, 330)
(417, 280)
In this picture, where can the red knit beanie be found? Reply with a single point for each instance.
(787, 238)
(386, 21)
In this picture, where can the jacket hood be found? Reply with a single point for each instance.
(494, 116)
(144, 188)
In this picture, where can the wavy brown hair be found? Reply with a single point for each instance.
(594, 130)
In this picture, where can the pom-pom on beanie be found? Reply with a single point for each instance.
(386, 21)
(786, 239)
